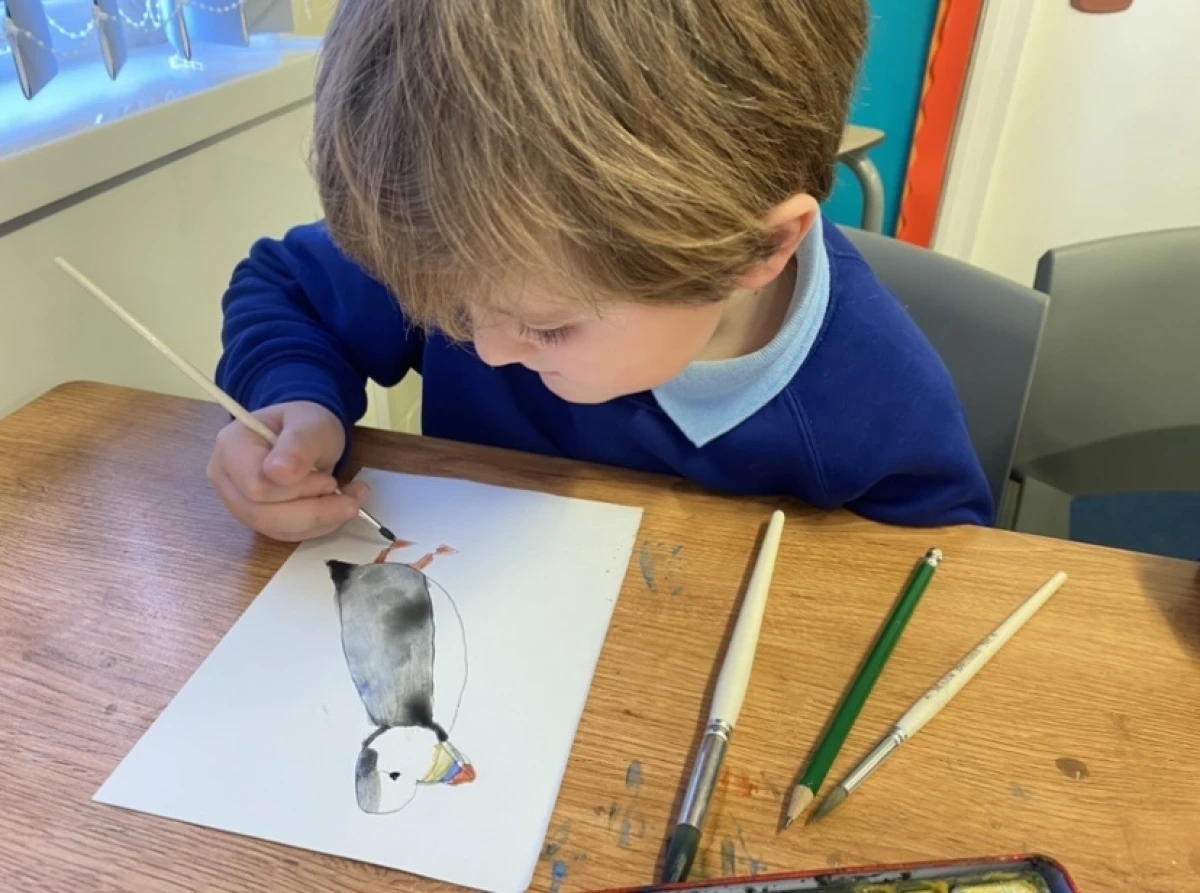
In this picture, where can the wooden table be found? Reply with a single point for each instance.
(1081, 740)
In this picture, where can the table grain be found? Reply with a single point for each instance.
(121, 571)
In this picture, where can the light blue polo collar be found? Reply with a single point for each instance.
(711, 397)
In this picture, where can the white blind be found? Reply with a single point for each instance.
(42, 38)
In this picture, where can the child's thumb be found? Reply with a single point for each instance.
(300, 448)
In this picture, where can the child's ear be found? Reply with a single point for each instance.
(790, 221)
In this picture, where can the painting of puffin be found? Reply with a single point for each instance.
(405, 646)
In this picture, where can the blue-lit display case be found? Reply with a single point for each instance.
(72, 65)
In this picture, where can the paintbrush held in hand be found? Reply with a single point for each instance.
(234, 408)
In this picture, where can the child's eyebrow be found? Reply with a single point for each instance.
(547, 322)
(548, 319)
(549, 315)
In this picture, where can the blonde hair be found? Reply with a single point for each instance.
(633, 147)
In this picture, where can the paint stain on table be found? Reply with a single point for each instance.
(755, 865)
(658, 564)
(743, 785)
(557, 841)
(558, 875)
(633, 776)
(728, 858)
(736, 858)
(633, 824)
(555, 850)
(1072, 768)
(612, 811)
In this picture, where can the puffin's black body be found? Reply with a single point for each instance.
(389, 639)
(386, 616)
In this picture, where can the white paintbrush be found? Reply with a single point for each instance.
(939, 695)
(726, 707)
(210, 387)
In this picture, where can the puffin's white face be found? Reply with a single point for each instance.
(398, 761)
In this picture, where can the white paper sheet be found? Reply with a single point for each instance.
(264, 738)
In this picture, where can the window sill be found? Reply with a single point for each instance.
(149, 113)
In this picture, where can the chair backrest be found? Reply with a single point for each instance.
(1121, 351)
(986, 328)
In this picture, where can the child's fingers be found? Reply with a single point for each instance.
(358, 491)
(242, 461)
(290, 460)
(292, 521)
(253, 485)
(311, 437)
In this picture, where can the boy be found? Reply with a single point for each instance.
(593, 227)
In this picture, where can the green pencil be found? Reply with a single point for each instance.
(814, 775)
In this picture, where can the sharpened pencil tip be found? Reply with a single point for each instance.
(801, 797)
(832, 802)
(387, 534)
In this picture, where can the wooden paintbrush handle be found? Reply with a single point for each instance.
(203, 381)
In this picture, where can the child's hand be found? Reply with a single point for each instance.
(285, 492)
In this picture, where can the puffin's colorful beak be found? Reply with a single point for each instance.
(449, 767)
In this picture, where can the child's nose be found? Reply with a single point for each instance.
(497, 348)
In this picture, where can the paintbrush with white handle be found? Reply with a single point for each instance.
(726, 707)
(939, 695)
(234, 408)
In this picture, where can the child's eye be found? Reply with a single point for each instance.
(546, 336)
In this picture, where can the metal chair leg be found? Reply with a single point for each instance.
(872, 189)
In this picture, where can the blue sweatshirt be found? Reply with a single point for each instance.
(848, 407)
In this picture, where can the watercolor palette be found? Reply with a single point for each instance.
(1011, 874)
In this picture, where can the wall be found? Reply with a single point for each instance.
(164, 244)
(1079, 127)
(887, 97)
(311, 17)
(1101, 136)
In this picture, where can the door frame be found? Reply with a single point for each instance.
(995, 65)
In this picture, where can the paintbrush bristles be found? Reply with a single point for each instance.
(829, 804)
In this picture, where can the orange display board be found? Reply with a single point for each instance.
(946, 71)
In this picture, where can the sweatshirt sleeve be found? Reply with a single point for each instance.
(901, 454)
(303, 322)
(934, 480)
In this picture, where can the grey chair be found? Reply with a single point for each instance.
(987, 330)
(1114, 407)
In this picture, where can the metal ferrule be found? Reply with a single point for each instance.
(873, 760)
(707, 772)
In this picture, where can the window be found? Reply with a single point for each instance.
(65, 64)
